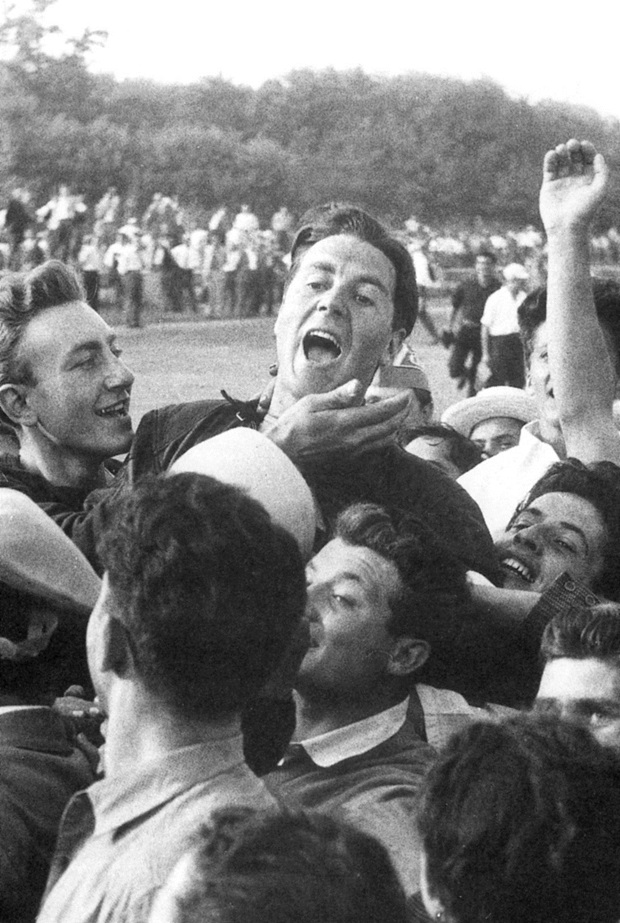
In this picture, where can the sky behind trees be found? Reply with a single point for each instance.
(536, 49)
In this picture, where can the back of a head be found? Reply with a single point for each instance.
(521, 822)
(533, 312)
(208, 588)
(336, 218)
(285, 867)
(581, 633)
(599, 484)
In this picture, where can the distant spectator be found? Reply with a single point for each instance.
(90, 262)
(501, 345)
(468, 303)
(493, 419)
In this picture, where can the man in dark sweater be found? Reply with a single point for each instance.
(383, 600)
(468, 303)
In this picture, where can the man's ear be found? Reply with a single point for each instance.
(407, 655)
(14, 403)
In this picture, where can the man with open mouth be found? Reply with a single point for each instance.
(349, 303)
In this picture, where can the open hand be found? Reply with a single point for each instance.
(573, 187)
(338, 422)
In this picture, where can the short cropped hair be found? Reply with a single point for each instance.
(287, 867)
(23, 296)
(434, 599)
(462, 451)
(599, 484)
(533, 312)
(581, 633)
(208, 588)
(520, 821)
(341, 218)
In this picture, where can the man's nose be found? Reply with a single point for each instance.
(332, 300)
(118, 375)
(530, 537)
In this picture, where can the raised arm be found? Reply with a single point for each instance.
(583, 376)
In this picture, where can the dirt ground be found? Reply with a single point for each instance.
(182, 359)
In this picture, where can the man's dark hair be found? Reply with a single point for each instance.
(599, 484)
(533, 312)
(209, 590)
(23, 296)
(520, 821)
(341, 218)
(434, 600)
(581, 633)
(462, 452)
(287, 867)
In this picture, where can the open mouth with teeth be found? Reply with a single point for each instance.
(514, 568)
(321, 347)
(120, 409)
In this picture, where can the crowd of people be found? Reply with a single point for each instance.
(315, 655)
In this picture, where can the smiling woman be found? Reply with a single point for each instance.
(569, 523)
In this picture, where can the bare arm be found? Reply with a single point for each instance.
(574, 183)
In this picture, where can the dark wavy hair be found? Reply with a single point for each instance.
(583, 633)
(520, 822)
(336, 218)
(209, 590)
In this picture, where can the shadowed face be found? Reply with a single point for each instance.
(348, 609)
(585, 691)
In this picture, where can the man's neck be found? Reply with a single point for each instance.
(552, 435)
(317, 714)
(62, 469)
(140, 729)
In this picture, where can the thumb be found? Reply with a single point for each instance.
(351, 394)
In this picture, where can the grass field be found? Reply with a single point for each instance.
(185, 359)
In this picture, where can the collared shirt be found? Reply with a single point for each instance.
(353, 739)
(500, 312)
(368, 774)
(120, 839)
(500, 483)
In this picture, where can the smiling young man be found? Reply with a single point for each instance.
(350, 300)
(571, 337)
(65, 390)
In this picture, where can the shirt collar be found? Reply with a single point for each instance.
(125, 797)
(353, 739)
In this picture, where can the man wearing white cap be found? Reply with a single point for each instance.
(501, 346)
(493, 419)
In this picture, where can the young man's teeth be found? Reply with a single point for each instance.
(115, 411)
(520, 569)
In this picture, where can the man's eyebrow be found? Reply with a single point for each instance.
(366, 279)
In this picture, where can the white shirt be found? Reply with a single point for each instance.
(500, 312)
(500, 483)
(353, 739)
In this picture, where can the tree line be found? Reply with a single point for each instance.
(442, 149)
